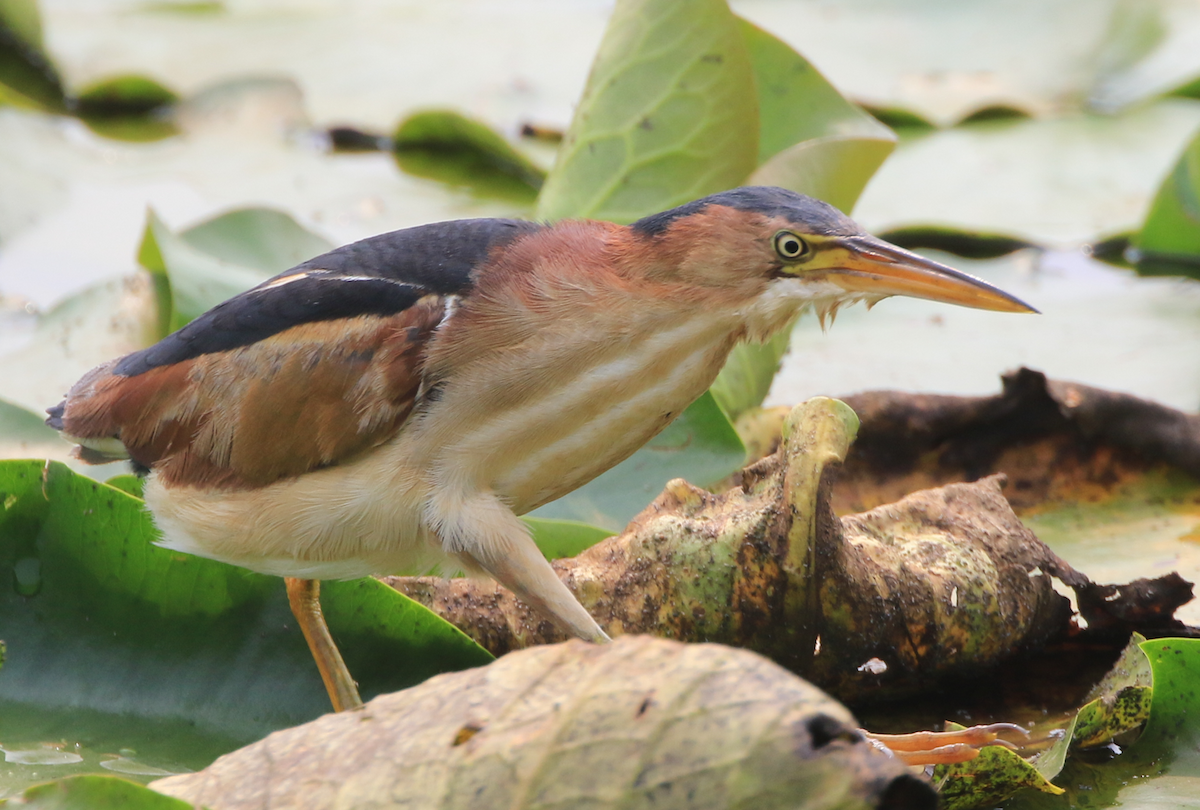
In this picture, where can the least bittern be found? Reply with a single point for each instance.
(403, 399)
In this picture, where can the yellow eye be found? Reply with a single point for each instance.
(790, 247)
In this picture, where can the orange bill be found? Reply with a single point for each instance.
(868, 265)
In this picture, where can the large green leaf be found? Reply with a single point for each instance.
(668, 115)
(701, 446)
(100, 620)
(1170, 237)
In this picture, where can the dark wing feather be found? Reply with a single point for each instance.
(304, 371)
(380, 275)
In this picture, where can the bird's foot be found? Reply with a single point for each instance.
(948, 747)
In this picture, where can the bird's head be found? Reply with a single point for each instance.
(779, 251)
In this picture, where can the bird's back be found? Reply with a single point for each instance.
(303, 371)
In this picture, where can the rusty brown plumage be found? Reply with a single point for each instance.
(305, 398)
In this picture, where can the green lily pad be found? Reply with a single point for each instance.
(123, 95)
(969, 244)
(98, 793)
(448, 146)
(1171, 232)
(99, 620)
(1161, 769)
(130, 108)
(1103, 719)
(1055, 181)
(1172, 734)
(668, 115)
(1131, 670)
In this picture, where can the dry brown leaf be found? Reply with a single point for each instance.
(943, 582)
(639, 723)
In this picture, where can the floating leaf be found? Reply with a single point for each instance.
(1173, 731)
(1161, 769)
(450, 147)
(1054, 181)
(970, 244)
(1170, 235)
(1104, 718)
(97, 793)
(1130, 672)
(639, 723)
(132, 108)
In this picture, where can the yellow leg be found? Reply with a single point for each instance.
(304, 597)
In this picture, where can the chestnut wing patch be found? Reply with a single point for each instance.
(303, 398)
(305, 370)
